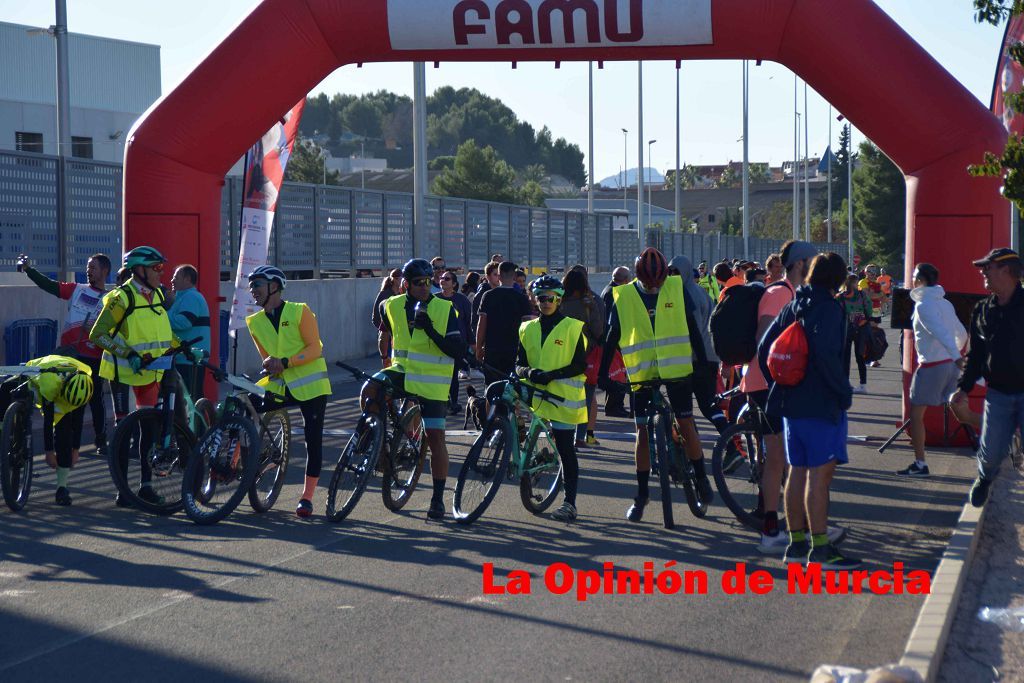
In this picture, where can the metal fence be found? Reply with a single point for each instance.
(325, 229)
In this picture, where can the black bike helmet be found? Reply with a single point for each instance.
(547, 283)
(417, 268)
(651, 268)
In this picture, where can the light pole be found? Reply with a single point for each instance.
(849, 188)
(807, 175)
(828, 221)
(590, 150)
(362, 163)
(796, 155)
(625, 164)
(678, 218)
(641, 228)
(650, 185)
(746, 160)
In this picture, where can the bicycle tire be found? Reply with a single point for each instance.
(16, 454)
(740, 486)
(537, 497)
(660, 446)
(124, 449)
(403, 463)
(275, 444)
(355, 466)
(208, 412)
(488, 458)
(227, 455)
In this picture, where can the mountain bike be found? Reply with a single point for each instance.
(737, 463)
(16, 447)
(150, 447)
(389, 437)
(224, 465)
(502, 452)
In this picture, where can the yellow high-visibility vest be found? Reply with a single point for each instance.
(556, 352)
(664, 351)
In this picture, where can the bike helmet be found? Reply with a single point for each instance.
(651, 268)
(143, 256)
(77, 389)
(417, 268)
(270, 273)
(547, 283)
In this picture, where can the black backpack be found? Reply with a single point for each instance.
(733, 323)
(872, 344)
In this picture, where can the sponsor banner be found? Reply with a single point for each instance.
(265, 164)
(496, 24)
(1009, 78)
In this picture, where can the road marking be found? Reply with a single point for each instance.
(346, 607)
(14, 593)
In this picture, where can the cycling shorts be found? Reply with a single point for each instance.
(434, 413)
(769, 423)
(680, 398)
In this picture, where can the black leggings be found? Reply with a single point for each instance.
(99, 411)
(852, 335)
(64, 437)
(313, 412)
(705, 383)
(565, 442)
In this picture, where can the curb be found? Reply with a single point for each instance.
(927, 643)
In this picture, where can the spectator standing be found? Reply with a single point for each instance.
(190, 319)
(938, 338)
(997, 328)
(858, 315)
(463, 311)
(796, 255)
(85, 301)
(389, 287)
(490, 281)
(814, 412)
(615, 401)
(469, 286)
(502, 310)
(776, 271)
(580, 302)
(438, 264)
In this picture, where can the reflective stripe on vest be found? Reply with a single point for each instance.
(555, 353)
(306, 381)
(428, 371)
(147, 330)
(661, 352)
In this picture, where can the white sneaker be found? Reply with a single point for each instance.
(860, 389)
(773, 545)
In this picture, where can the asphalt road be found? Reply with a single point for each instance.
(100, 593)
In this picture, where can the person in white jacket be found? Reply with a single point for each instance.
(939, 338)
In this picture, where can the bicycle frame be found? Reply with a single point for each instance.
(513, 396)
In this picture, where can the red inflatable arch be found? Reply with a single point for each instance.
(849, 51)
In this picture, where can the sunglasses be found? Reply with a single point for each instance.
(419, 282)
(258, 284)
(546, 298)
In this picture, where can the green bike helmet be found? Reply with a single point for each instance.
(77, 389)
(547, 283)
(143, 256)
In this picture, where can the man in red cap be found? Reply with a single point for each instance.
(997, 326)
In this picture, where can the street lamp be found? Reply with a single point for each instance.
(649, 216)
(625, 164)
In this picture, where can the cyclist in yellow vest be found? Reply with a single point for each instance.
(62, 390)
(423, 333)
(553, 357)
(288, 340)
(134, 331)
(708, 282)
(650, 323)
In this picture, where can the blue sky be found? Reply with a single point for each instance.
(187, 30)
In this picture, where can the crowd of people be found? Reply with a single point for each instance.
(653, 324)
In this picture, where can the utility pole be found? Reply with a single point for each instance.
(746, 160)
(678, 185)
(828, 221)
(590, 150)
(641, 227)
(807, 175)
(60, 33)
(419, 147)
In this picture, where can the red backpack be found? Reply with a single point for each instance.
(787, 357)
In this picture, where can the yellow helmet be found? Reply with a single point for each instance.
(77, 389)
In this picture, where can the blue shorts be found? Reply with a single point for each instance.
(813, 442)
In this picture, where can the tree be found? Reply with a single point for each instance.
(687, 177)
(478, 174)
(363, 117)
(441, 163)
(729, 178)
(531, 194)
(879, 207)
(839, 169)
(759, 174)
(306, 164)
(1010, 164)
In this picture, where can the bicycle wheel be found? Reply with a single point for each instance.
(740, 486)
(660, 431)
(540, 483)
(221, 470)
(403, 463)
(16, 454)
(273, 464)
(208, 412)
(147, 474)
(483, 471)
(354, 468)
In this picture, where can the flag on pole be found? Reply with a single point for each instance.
(1009, 78)
(265, 163)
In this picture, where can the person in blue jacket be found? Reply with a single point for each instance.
(814, 411)
(190, 319)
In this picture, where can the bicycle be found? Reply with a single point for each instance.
(403, 449)
(232, 455)
(503, 451)
(737, 463)
(152, 445)
(16, 449)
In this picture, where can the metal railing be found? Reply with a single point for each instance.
(322, 229)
